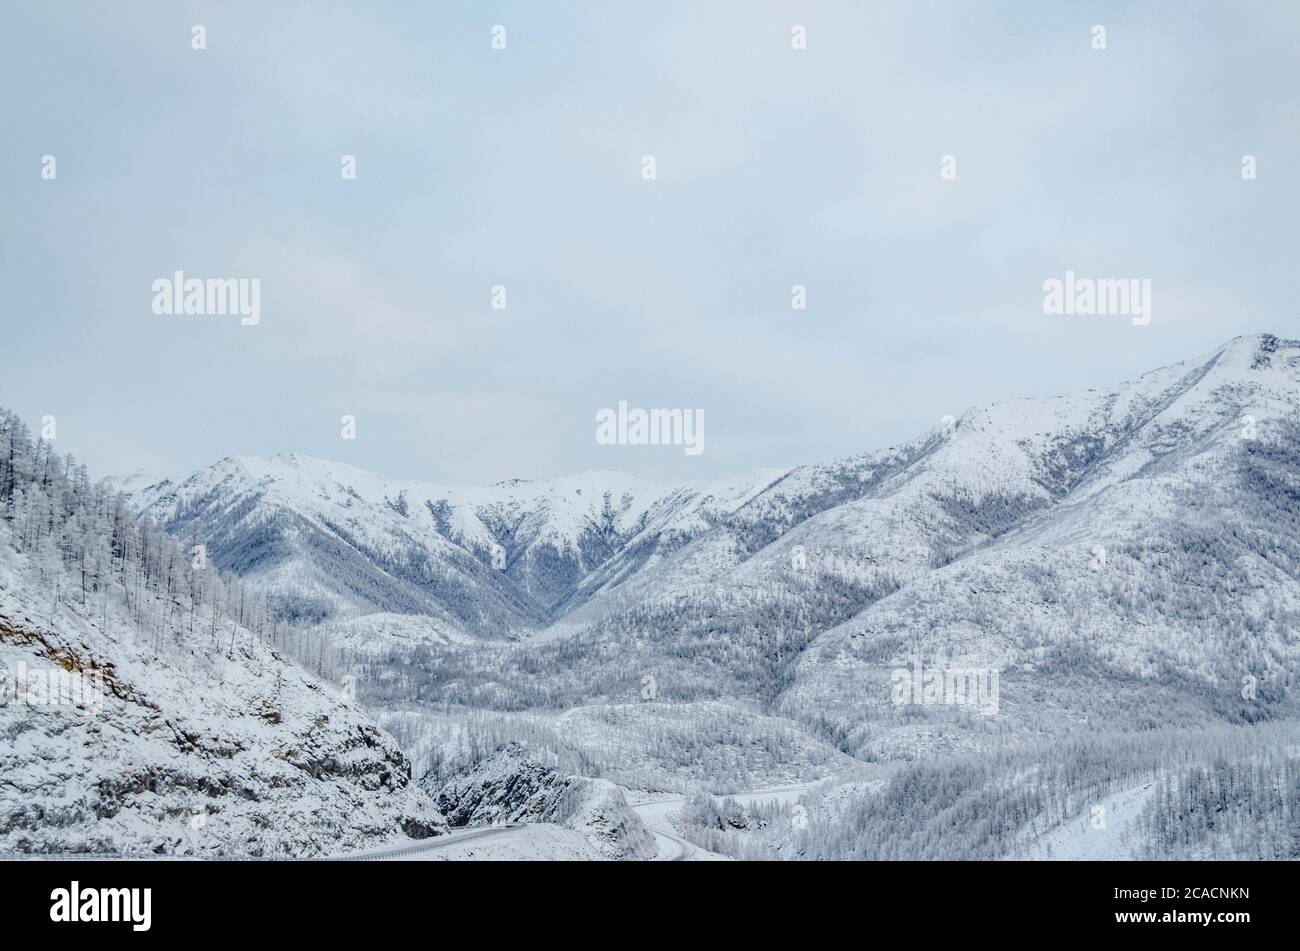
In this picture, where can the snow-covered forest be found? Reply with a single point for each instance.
(89, 548)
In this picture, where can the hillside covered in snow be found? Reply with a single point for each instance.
(144, 706)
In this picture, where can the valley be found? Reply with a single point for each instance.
(1120, 567)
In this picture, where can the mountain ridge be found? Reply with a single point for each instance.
(760, 590)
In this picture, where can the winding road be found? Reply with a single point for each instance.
(415, 849)
(654, 813)
(672, 847)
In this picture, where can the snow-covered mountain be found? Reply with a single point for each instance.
(1125, 555)
(328, 540)
(1109, 553)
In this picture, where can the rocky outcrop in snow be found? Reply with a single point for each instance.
(511, 786)
(187, 754)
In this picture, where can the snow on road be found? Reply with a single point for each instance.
(544, 841)
(657, 816)
(514, 842)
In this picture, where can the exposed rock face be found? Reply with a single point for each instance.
(511, 786)
(188, 751)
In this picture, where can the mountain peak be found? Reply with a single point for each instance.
(1256, 351)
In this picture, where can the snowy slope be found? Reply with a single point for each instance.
(899, 510)
(1158, 571)
(1089, 837)
(188, 751)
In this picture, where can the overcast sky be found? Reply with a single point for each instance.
(522, 168)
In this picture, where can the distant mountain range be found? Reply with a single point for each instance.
(1110, 553)
(330, 540)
